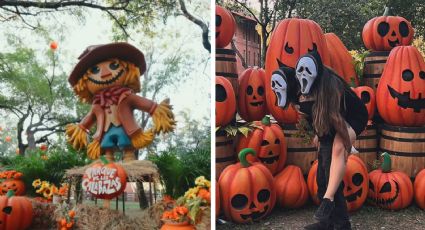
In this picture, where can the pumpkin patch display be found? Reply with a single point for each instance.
(385, 32)
(15, 185)
(247, 190)
(341, 60)
(16, 212)
(389, 189)
(419, 189)
(225, 27)
(225, 101)
(355, 183)
(367, 95)
(270, 144)
(252, 97)
(401, 89)
(291, 188)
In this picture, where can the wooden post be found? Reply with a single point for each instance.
(68, 199)
(116, 204)
(154, 191)
(123, 203)
(150, 190)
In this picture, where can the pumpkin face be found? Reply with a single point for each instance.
(355, 183)
(16, 213)
(16, 185)
(386, 32)
(401, 89)
(252, 99)
(389, 189)
(419, 189)
(341, 60)
(269, 142)
(225, 101)
(291, 189)
(291, 39)
(367, 95)
(247, 191)
(225, 26)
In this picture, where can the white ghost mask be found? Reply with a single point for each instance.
(279, 87)
(306, 71)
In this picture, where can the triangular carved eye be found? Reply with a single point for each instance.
(385, 188)
(7, 210)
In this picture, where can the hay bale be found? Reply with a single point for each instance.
(42, 215)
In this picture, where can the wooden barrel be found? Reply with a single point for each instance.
(298, 153)
(367, 145)
(406, 145)
(224, 151)
(373, 67)
(225, 65)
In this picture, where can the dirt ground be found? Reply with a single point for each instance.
(368, 217)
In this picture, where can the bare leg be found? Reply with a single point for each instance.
(109, 155)
(129, 155)
(337, 169)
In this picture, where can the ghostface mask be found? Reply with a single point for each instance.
(284, 85)
(308, 70)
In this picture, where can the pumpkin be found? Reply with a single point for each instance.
(247, 190)
(389, 189)
(291, 39)
(104, 180)
(367, 95)
(16, 185)
(419, 189)
(291, 189)
(225, 101)
(53, 45)
(252, 99)
(177, 226)
(385, 32)
(401, 89)
(355, 183)
(270, 144)
(341, 61)
(225, 27)
(16, 211)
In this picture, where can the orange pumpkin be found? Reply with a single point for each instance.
(225, 101)
(53, 45)
(247, 190)
(16, 211)
(252, 99)
(386, 32)
(401, 89)
(341, 61)
(355, 183)
(270, 144)
(291, 39)
(16, 185)
(389, 189)
(177, 226)
(419, 189)
(367, 95)
(291, 189)
(225, 27)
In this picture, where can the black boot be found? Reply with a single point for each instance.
(319, 226)
(324, 211)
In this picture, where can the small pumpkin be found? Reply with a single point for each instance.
(225, 101)
(291, 188)
(419, 189)
(400, 94)
(16, 185)
(16, 212)
(355, 183)
(252, 97)
(247, 190)
(270, 144)
(389, 189)
(367, 95)
(341, 60)
(385, 32)
(177, 226)
(225, 27)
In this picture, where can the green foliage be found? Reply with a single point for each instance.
(358, 59)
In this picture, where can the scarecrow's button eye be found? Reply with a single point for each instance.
(407, 75)
(239, 201)
(404, 29)
(249, 90)
(422, 75)
(114, 65)
(263, 195)
(386, 187)
(383, 28)
(94, 70)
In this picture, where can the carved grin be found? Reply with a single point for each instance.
(110, 81)
(405, 101)
(259, 103)
(385, 202)
(255, 215)
(393, 43)
(269, 160)
(353, 196)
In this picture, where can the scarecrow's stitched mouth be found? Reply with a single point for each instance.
(259, 103)
(110, 81)
(255, 215)
(354, 196)
(269, 160)
(405, 101)
(393, 43)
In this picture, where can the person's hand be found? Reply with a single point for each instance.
(316, 141)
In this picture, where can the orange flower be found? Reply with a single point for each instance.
(167, 199)
(182, 210)
(204, 194)
(18, 175)
(63, 222)
(71, 213)
(69, 225)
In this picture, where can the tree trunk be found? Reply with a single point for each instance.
(143, 200)
(31, 140)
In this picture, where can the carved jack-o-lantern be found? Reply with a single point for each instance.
(291, 39)
(16, 212)
(367, 95)
(252, 99)
(401, 89)
(386, 32)
(355, 183)
(247, 191)
(270, 144)
(389, 189)
(225, 27)
(225, 101)
(16, 185)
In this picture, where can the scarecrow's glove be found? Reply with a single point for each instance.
(93, 150)
(163, 117)
(142, 139)
(76, 135)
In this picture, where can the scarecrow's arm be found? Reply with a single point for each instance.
(77, 133)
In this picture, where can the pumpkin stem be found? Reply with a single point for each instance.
(10, 193)
(266, 120)
(104, 160)
(242, 156)
(387, 11)
(386, 164)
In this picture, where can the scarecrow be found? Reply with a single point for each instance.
(107, 76)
